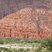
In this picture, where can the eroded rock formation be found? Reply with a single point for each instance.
(30, 21)
(27, 23)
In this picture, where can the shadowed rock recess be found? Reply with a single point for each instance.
(26, 18)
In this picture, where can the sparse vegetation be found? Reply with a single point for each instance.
(43, 45)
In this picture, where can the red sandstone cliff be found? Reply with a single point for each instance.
(26, 18)
(27, 23)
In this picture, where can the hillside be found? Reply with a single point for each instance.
(10, 6)
(26, 19)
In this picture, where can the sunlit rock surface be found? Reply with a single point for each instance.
(26, 19)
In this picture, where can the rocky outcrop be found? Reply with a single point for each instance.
(27, 23)
(11, 6)
(26, 18)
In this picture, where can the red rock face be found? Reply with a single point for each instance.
(27, 23)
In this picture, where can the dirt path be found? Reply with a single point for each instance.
(16, 46)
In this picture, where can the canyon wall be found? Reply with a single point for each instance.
(26, 18)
